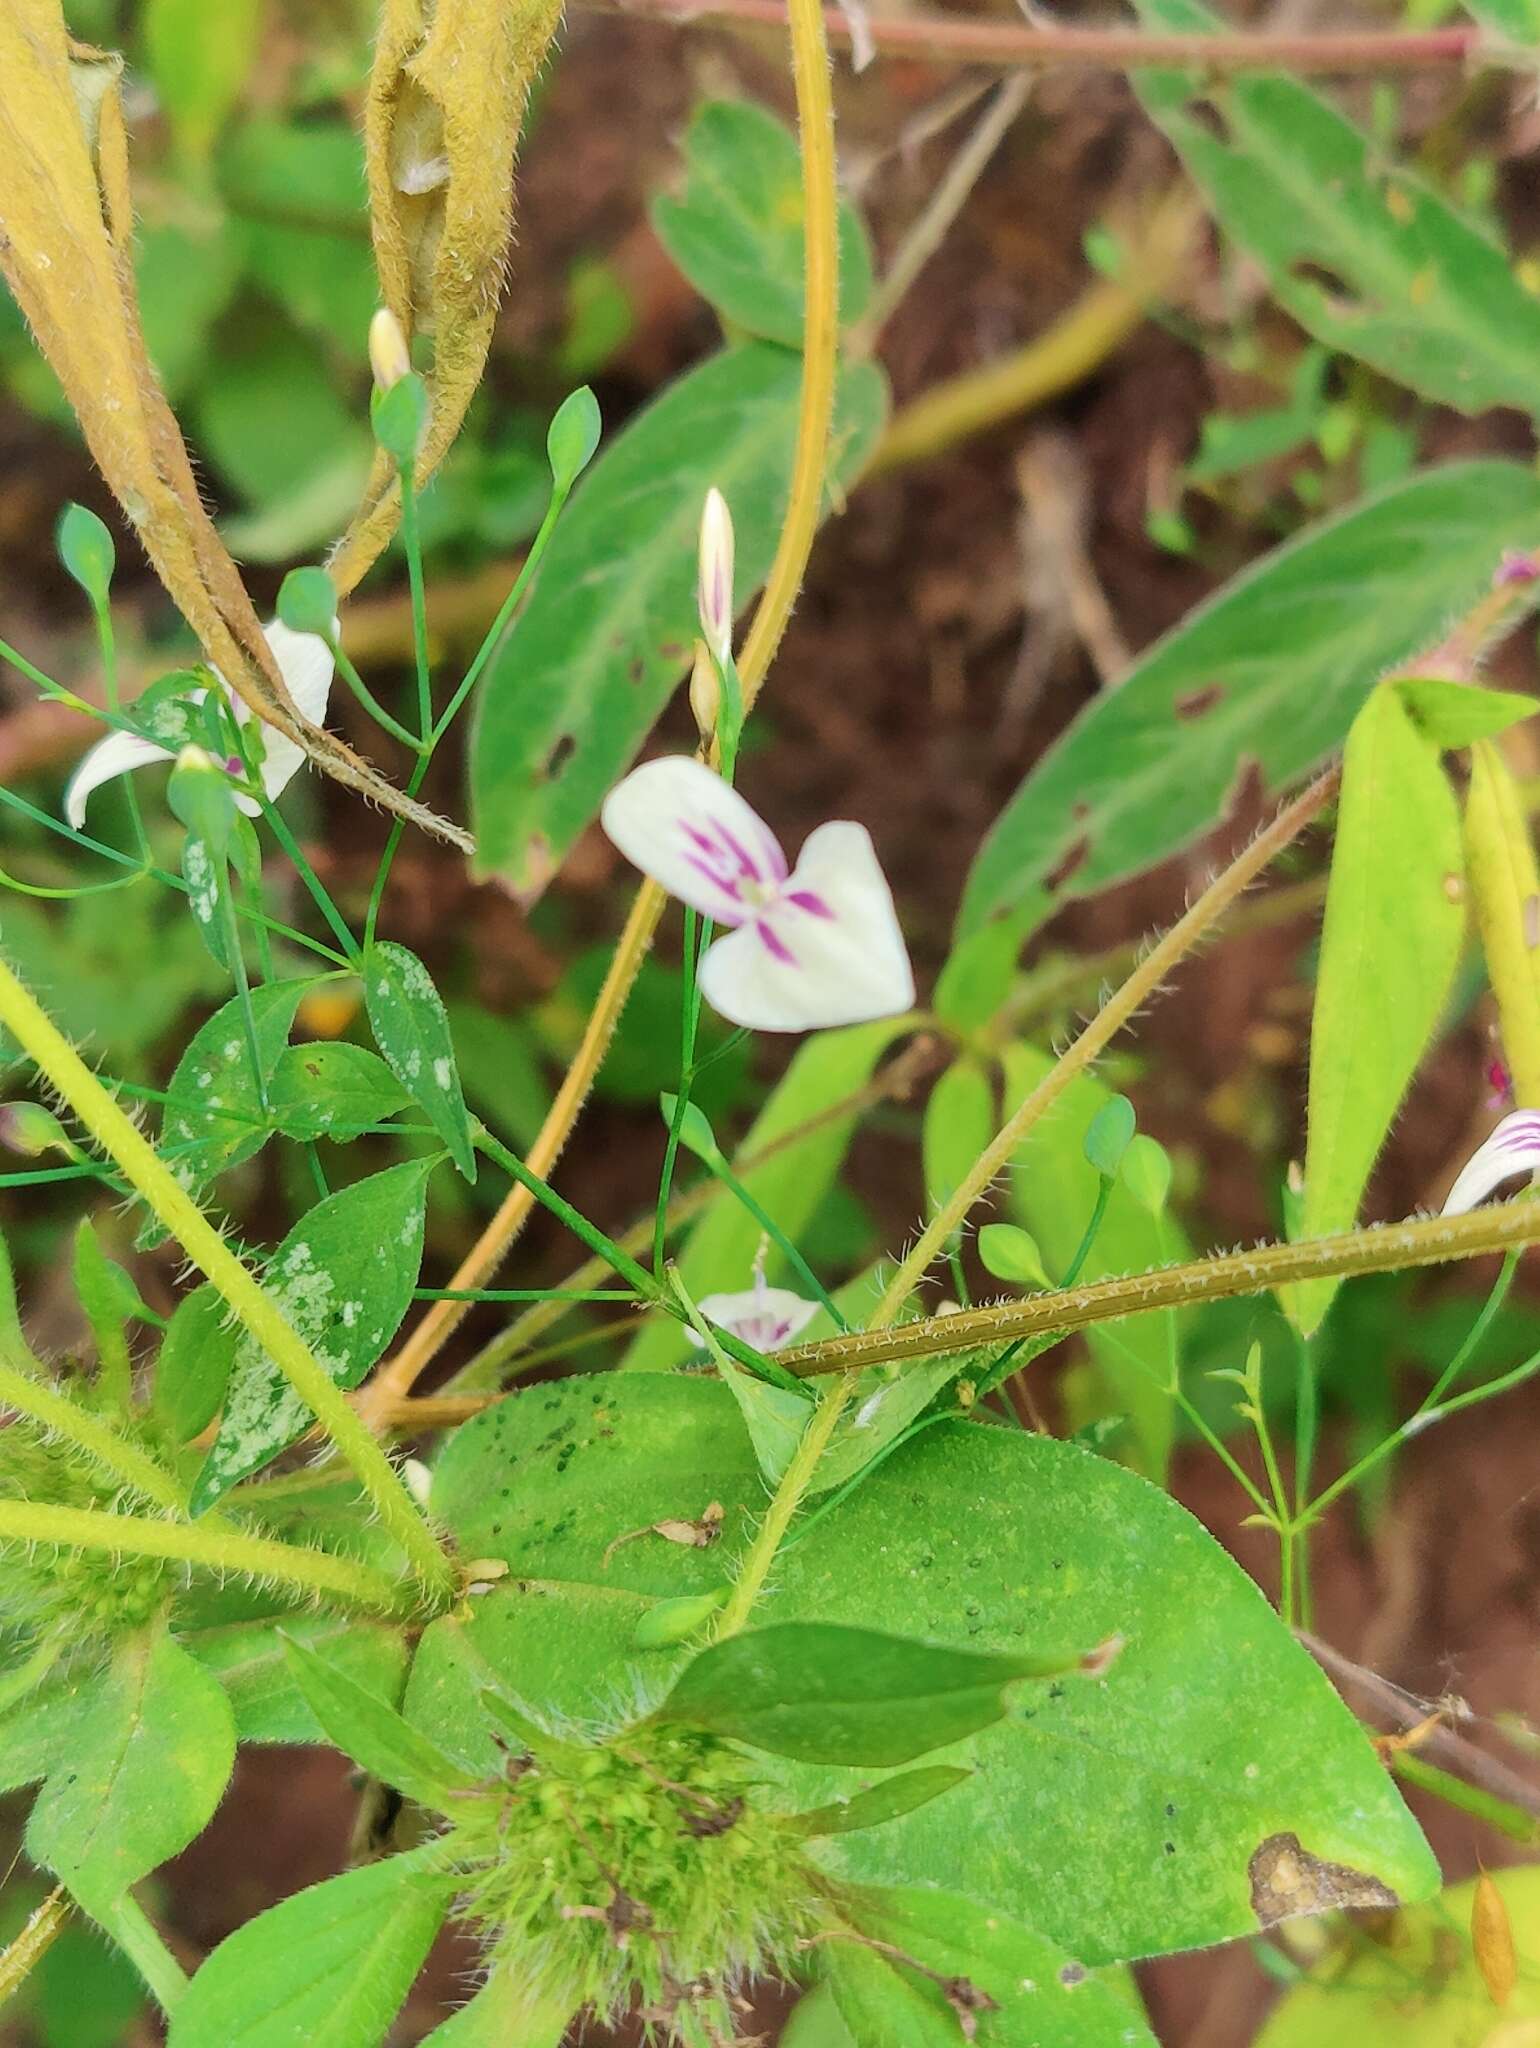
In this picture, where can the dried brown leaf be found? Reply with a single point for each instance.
(66, 218)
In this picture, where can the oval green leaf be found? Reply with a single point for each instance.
(411, 1028)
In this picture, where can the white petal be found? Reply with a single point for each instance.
(119, 754)
(1512, 1149)
(766, 1317)
(305, 663)
(683, 825)
(836, 958)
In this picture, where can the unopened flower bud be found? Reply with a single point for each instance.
(705, 693)
(389, 357)
(714, 590)
(31, 1130)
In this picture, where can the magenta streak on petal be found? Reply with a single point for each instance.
(731, 910)
(746, 862)
(774, 944)
(810, 901)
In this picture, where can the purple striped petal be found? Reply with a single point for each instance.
(1511, 1150)
(684, 826)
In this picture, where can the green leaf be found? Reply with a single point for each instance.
(572, 437)
(1018, 1989)
(1367, 257)
(86, 1994)
(100, 1283)
(718, 1254)
(830, 1695)
(500, 1071)
(577, 683)
(1268, 674)
(1518, 20)
(884, 1402)
(1109, 1135)
(503, 2013)
(331, 1089)
(370, 1731)
(344, 1277)
(1011, 1254)
(411, 1028)
(737, 231)
(889, 1800)
(213, 1119)
(959, 1122)
(193, 1368)
(882, 2006)
(816, 2023)
(198, 59)
(695, 1132)
(249, 1660)
(774, 1417)
(674, 1621)
(1147, 1173)
(1389, 949)
(37, 1730)
(981, 1538)
(1425, 1990)
(296, 191)
(1053, 1189)
(330, 1966)
(146, 1765)
(86, 550)
(1454, 714)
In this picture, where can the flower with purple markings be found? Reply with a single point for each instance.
(305, 663)
(811, 946)
(763, 1316)
(1511, 1150)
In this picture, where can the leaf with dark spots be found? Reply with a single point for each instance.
(1194, 703)
(1286, 1881)
(1075, 858)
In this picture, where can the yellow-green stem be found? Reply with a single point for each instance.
(44, 1926)
(1135, 992)
(217, 1550)
(120, 1137)
(77, 1425)
(1381, 1248)
(795, 1481)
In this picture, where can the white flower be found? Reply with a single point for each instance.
(814, 947)
(305, 663)
(1513, 1148)
(765, 1317)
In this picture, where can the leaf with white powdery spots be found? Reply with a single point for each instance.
(411, 1028)
(344, 1277)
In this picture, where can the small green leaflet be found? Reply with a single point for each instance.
(1367, 258)
(736, 232)
(147, 1763)
(332, 1090)
(330, 1965)
(372, 1733)
(887, 1800)
(1389, 949)
(213, 1119)
(250, 1660)
(1454, 714)
(1269, 673)
(504, 2011)
(407, 1017)
(192, 1369)
(585, 670)
(344, 1277)
(826, 1694)
(198, 61)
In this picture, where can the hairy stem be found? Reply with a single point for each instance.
(1093, 1040)
(1380, 1248)
(120, 1137)
(44, 1926)
(795, 1481)
(217, 1550)
(87, 1432)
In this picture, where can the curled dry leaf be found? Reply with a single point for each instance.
(66, 225)
(447, 95)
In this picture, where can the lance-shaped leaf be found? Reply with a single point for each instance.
(1389, 949)
(145, 1767)
(833, 1695)
(1367, 257)
(411, 1028)
(66, 231)
(503, 2011)
(1265, 678)
(343, 1277)
(370, 1731)
(330, 1965)
(606, 634)
(447, 97)
(870, 1807)
(251, 1661)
